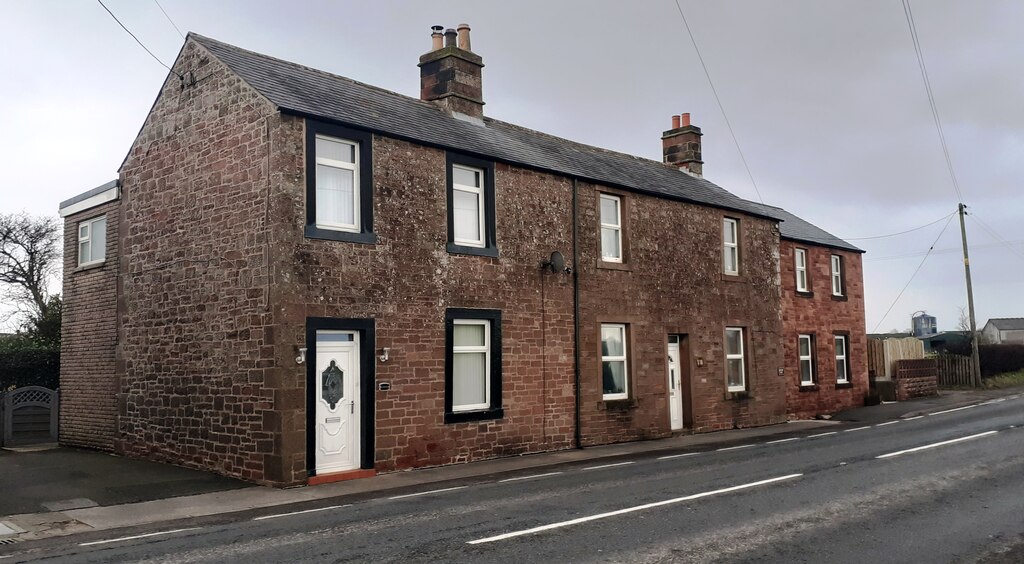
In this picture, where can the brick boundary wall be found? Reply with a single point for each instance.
(916, 378)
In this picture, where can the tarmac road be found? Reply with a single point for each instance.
(936, 488)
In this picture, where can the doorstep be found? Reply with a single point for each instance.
(340, 476)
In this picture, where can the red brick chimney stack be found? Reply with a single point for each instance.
(450, 74)
(681, 146)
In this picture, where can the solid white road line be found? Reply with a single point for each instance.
(783, 440)
(609, 465)
(631, 510)
(823, 434)
(137, 536)
(678, 455)
(857, 429)
(887, 423)
(529, 477)
(990, 402)
(428, 492)
(954, 409)
(301, 512)
(933, 445)
(734, 447)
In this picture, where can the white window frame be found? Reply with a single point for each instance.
(733, 249)
(800, 266)
(808, 358)
(486, 349)
(735, 356)
(843, 358)
(478, 191)
(354, 167)
(837, 275)
(87, 239)
(624, 358)
(616, 227)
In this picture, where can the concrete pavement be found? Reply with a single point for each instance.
(220, 495)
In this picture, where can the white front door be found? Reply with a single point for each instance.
(337, 401)
(675, 396)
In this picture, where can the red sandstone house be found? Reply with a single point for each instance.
(299, 278)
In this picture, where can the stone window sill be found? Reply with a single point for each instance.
(804, 294)
(734, 278)
(606, 265)
(456, 249)
(844, 385)
(738, 396)
(617, 405)
(314, 232)
(90, 266)
(809, 387)
(842, 298)
(466, 416)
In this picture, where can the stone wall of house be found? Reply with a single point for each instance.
(196, 327)
(407, 281)
(88, 409)
(820, 314)
(671, 282)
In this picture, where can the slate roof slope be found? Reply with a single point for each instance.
(796, 229)
(310, 92)
(1008, 323)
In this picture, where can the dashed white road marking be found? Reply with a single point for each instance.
(938, 444)
(678, 455)
(734, 448)
(954, 409)
(133, 537)
(428, 492)
(610, 465)
(631, 510)
(857, 429)
(823, 434)
(887, 423)
(275, 516)
(912, 418)
(530, 477)
(776, 441)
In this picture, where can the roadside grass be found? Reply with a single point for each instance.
(1006, 380)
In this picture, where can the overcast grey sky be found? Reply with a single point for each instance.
(825, 98)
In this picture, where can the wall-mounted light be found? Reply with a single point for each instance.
(301, 358)
(384, 354)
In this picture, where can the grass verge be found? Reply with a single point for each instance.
(1007, 380)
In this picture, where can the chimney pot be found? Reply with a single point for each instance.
(436, 37)
(449, 37)
(675, 122)
(685, 120)
(464, 37)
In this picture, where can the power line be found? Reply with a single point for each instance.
(900, 233)
(946, 251)
(898, 296)
(157, 2)
(988, 229)
(719, 100)
(931, 96)
(155, 58)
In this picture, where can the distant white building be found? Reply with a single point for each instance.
(1004, 331)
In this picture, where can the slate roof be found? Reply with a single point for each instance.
(1008, 323)
(796, 229)
(309, 92)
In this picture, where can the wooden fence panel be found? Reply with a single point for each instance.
(954, 370)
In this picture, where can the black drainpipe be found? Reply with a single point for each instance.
(577, 436)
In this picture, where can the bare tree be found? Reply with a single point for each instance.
(30, 256)
(963, 321)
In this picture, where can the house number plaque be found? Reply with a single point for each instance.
(333, 380)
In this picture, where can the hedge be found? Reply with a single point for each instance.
(29, 367)
(1000, 359)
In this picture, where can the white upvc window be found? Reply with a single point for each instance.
(806, 353)
(837, 275)
(735, 365)
(468, 227)
(800, 256)
(842, 362)
(730, 246)
(614, 368)
(471, 364)
(611, 228)
(337, 184)
(92, 241)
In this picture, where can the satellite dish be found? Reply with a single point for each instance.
(556, 263)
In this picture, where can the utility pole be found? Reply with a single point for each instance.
(975, 361)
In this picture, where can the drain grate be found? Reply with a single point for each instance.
(8, 541)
